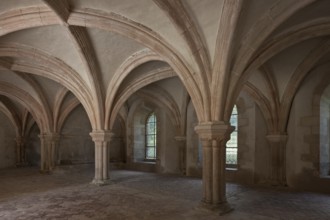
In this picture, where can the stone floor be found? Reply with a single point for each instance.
(67, 194)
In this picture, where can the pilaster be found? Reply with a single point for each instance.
(277, 144)
(49, 142)
(20, 151)
(182, 153)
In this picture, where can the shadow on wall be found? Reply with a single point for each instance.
(7, 143)
(76, 145)
(32, 146)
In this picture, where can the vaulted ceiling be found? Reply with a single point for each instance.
(103, 51)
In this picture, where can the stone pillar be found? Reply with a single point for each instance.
(277, 144)
(49, 142)
(101, 139)
(20, 151)
(214, 136)
(182, 153)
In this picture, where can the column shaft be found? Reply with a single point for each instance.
(207, 171)
(19, 151)
(101, 139)
(214, 136)
(181, 140)
(48, 143)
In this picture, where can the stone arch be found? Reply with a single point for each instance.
(276, 15)
(145, 80)
(53, 69)
(295, 35)
(321, 111)
(8, 110)
(75, 144)
(252, 43)
(263, 104)
(29, 102)
(73, 104)
(166, 103)
(297, 78)
(122, 72)
(195, 86)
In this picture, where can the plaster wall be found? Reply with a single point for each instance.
(7, 142)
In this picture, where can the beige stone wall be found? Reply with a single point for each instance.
(194, 154)
(117, 144)
(167, 150)
(7, 143)
(33, 146)
(305, 135)
(253, 149)
(76, 145)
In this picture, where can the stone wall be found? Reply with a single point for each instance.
(307, 142)
(76, 145)
(194, 151)
(167, 147)
(7, 142)
(33, 146)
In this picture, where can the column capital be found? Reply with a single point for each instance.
(101, 135)
(180, 138)
(214, 130)
(275, 138)
(19, 139)
(49, 136)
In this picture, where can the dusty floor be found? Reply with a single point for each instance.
(67, 194)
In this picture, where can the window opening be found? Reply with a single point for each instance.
(151, 137)
(231, 147)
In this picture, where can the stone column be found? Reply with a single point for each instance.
(20, 151)
(48, 143)
(214, 136)
(277, 144)
(101, 139)
(182, 153)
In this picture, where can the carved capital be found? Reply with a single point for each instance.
(20, 140)
(101, 135)
(277, 138)
(180, 138)
(215, 130)
(49, 136)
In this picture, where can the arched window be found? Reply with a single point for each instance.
(151, 137)
(231, 149)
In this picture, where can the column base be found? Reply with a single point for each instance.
(222, 208)
(101, 182)
(45, 171)
(278, 183)
(22, 164)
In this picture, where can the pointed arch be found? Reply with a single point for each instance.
(54, 69)
(9, 110)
